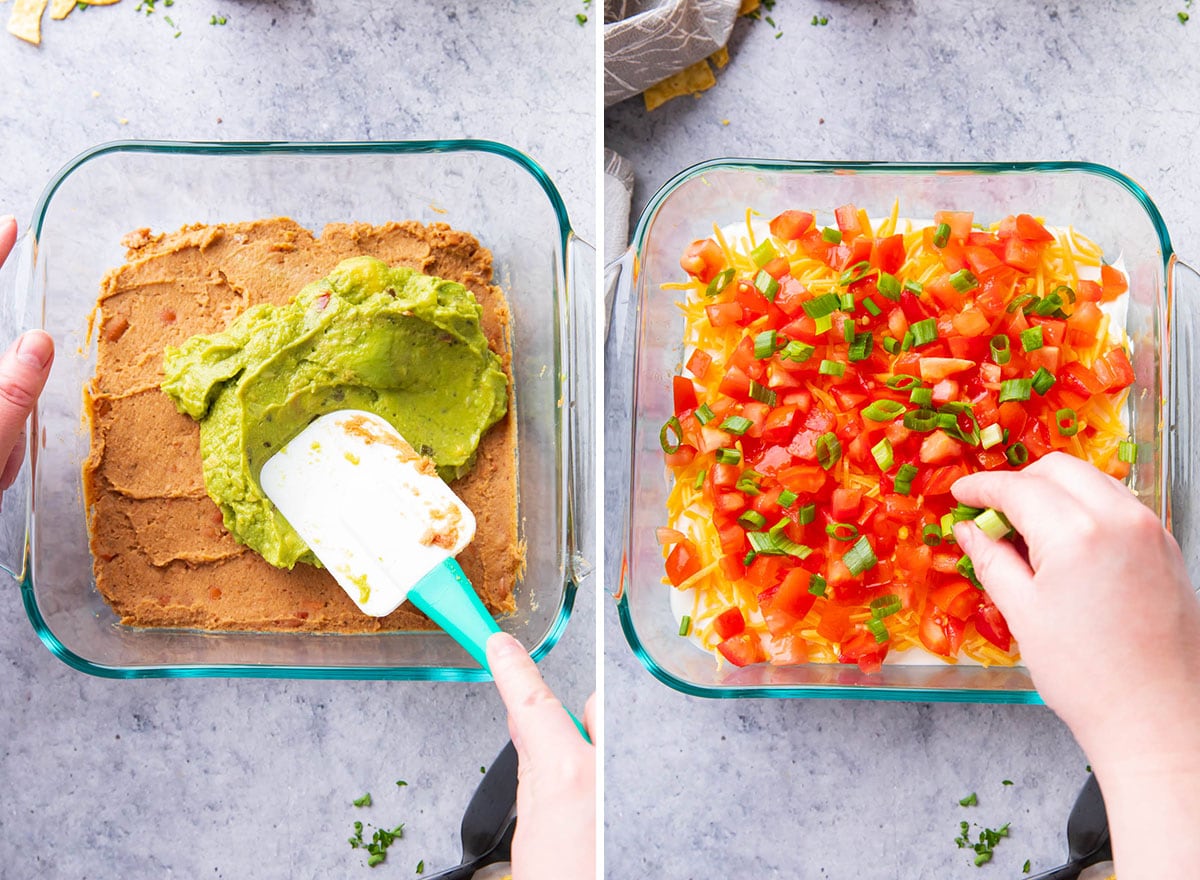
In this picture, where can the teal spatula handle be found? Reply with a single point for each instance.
(448, 599)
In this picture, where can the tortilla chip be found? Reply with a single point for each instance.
(60, 9)
(26, 20)
(690, 81)
(748, 6)
(720, 57)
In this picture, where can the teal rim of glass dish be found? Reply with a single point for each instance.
(333, 673)
(858, 692)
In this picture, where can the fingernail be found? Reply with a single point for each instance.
(34, 349)
(501, 644)
(7, 218)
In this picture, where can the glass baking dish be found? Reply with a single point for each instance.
(487, 189)
(644, 351)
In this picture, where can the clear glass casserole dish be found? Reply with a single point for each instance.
(645, 350)
(488, 189)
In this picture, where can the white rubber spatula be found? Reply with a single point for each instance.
(381, 520)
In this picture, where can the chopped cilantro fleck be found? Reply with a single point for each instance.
(581, 18)
(218, 19)
(421, 867)
(969, 801)
(1006, 782)
(1183, 17)
(483, 769)
(364, 801)
(400, 783)
(1026, 867)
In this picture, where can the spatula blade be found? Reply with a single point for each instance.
(373, 511)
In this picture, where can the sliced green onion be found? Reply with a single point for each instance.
(764, 344)
(1049, 304)
(763, 394)
(1019, 302)
(924, 332)
(902, 382)
(963, 512)
(947, 421)
(820, 306)
(848, 330)
(823, 324)
(763, 543)
(829, 450)
(700, 479)
(1001, 353)
(922, 397)
(941, 235)
(923, 420)
(907, 341)
(766, 284)
(885, 606)
(916, 288)
(685, 625)
(841, 531)
(748, 482)
(891, 345)
(992, 435)
(931, 535)
(1063, 290)
(869, 305)
(1017, 454)
(749, 557)
(1031, 339)
(719, 282)
(860, 557)
(882, 452)
(946, 524)
(956, 406)
(736, 425)
(964, 281)
(831, 368)
(752, 520)
(993, 524)
(883, 410)
(704, 414)
(967, 569)
(806, 514)
(1043, 380)
(860, 348)
(970, 436)
(831, 235)
(878, 630)
(816, 585)
(1127, 451)
(672, 425)
(1067, 422)
(857, 272)
(905, 475)
(727, 455)
(786, 545)
(764, 253)
(797, 351)
(1015, 389)
(787, 498)
(888, 286)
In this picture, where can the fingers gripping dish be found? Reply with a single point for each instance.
(404, 321)
(838, 381)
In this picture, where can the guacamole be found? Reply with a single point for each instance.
(405, 346)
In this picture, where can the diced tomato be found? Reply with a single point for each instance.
(934, 369)
(957, 597)
(887, 253)
(846, 504)
(789, 650)
(729, 623)
(848, 222)
(790, 297)
(1079, 379)
(733, 568)
(802, 479)
(1088, 291)
(835, 620)
(958, 221)
(733, 539)
(941, 633)
(990, 624)
(982, 261)
(914, 310)
(1113, 283)
(681, 457)
(902, 508)
(724, 314)
(685, 395)
(698, 363)
(780, 424)
(765, 571)
(793, 597)
(744, 649)
(860, 647)
(791, 224)
(1053, 329)
(1045, 357)
(1116, 362)
(1021, 255)
(703, 259)
(1032, 231)
(736, 384)
(939, 480)
(815, 246)
(940, 448)
(683, 562)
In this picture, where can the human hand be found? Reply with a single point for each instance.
(556, 777)
(23, 372)
(1109, 627)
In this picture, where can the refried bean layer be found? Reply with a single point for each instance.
(161, 554)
